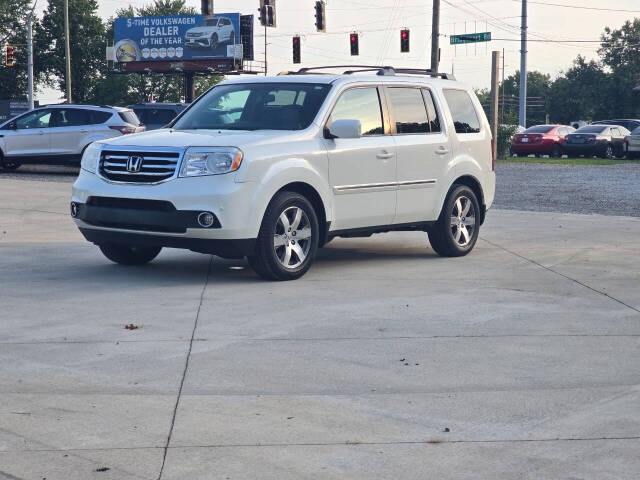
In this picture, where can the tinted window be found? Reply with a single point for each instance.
(72, 117)
(592, 129)
(636, 131)
(409, 111)
(156, 116)
(539, 129)
(465, 118)
(99, 117)
(434, 121)
(129, 116)
(37, 119)
(360, 104)
(256, 106)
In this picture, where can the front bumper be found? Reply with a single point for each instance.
(121, 207)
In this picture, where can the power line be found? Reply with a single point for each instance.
(583, 7)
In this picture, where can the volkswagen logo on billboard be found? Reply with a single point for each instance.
(134, 164)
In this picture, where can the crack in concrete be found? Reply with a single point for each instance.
(595, 290)
(186, 367)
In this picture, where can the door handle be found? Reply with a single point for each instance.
(442, 151)
(384, 155)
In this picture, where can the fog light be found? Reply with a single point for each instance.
(75, 209)
(206, 219)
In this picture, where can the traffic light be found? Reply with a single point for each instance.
(9, 56)
(321, 17)
(268, 13)
(404, 41)
(355, 47)
(297, 56)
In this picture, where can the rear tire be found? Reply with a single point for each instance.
(456, 231)
(556, 151)
(609, 152)
(288, 238)
(129, 255)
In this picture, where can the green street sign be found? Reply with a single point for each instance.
(470, 38)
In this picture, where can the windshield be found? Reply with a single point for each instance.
(591, 129)
(539, 129)
(256, 106)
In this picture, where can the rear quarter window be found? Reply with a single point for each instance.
(465, 117)
(129, 116)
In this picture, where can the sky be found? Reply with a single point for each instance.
(379, 22)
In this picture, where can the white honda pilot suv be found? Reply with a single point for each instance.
(273, 168)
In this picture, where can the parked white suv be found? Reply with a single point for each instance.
(58, 134)
(210, 33)
(273, 168)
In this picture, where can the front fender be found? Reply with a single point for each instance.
(285, 172)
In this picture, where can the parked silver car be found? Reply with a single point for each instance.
(58, 134)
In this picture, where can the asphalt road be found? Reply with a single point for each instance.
(384, 362)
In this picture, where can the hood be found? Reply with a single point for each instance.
(201, 29)
(193, 138)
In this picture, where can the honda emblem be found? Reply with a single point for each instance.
(134, 164)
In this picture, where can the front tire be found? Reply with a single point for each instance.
(129, 255)
(609, 152)
(456, 231)
(8, 165)
(288, 238)
(214, 41)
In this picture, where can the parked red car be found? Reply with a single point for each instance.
(541, 140)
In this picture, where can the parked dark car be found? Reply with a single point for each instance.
(157, 115)
(606, 141)
(541, 140)
(629, 123)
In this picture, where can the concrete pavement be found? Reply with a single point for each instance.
(385, 361)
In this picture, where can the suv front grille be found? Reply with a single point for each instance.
(155, 166)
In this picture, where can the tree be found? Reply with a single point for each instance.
(538, 87)
(87, 41)
(580, 93)
(13, 31)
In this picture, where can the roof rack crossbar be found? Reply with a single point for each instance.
(383, 70)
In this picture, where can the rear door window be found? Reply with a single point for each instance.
(97, 117)
(360, 104)
(409, 111)
(465, 117)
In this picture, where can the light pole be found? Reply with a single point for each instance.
(30, 59)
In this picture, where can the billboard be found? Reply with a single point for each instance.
(177, 38)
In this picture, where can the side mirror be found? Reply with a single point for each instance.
(345, 129)
(12, 126)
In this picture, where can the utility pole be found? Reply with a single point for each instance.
(495, 92)
(30, 59)
(67, 50)
(523, 67)
(206, 9)
(265, 50)
(435, 36)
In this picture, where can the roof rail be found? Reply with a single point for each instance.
(382, 71)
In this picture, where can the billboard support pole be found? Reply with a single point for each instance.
(188, 87)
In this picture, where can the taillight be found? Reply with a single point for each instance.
(123, 129)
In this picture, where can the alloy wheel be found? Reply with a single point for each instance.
(292, 237)
(463, 221)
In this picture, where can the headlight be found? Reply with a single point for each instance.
(210, 161)
(90, 157)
